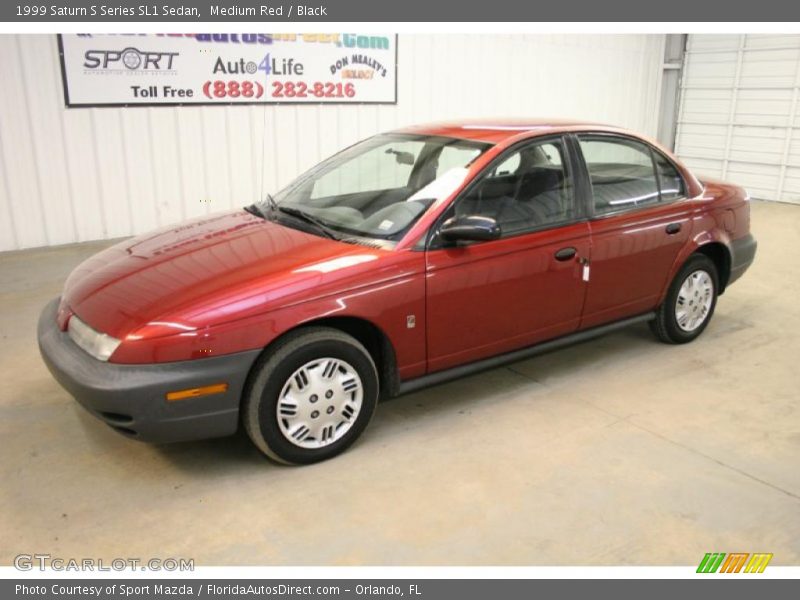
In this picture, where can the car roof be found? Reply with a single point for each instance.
(496, 131)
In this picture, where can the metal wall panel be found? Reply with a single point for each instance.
(85, 174)
(739, 112)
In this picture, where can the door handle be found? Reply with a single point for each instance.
(566, 253)
(673, 228)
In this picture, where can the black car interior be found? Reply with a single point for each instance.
(536, 192)
(619, 186)
(386, 213)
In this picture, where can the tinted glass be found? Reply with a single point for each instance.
(376, 169)
(672, 186)
(453, 157)
(379, 187)
(527, 190)
(621, 172)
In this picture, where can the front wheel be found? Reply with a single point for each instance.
(310, 396)
(690, 302)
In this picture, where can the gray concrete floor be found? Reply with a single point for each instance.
(617, 451)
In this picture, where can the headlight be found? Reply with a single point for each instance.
(99, 345)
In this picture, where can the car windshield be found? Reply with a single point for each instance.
(377, 188)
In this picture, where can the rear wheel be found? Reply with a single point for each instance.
(690, 302)
(310, 396)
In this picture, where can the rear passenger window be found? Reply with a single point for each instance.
(621, 172)
(669, 179)
(528, 190)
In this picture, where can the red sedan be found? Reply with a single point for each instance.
(408, 259)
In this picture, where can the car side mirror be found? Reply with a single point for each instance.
(470, 228)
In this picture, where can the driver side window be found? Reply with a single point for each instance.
(529, 189)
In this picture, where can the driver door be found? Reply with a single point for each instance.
(487, 298)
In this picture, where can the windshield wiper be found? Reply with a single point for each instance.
(253, 209)
(304, 216)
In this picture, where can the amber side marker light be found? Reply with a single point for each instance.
(207, 390)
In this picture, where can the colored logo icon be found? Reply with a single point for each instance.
(736, 562)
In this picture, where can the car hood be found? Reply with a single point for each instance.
(203, 272)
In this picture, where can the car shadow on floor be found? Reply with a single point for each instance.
(215, 456)
(210, 457)
(462, 393)
(206, 457)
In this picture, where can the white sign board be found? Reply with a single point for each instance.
(228, 68)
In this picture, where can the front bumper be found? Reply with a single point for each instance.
(132, 398)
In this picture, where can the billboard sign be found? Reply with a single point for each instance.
(228, 68)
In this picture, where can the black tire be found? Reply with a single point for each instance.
(665, 326)
(273, 370)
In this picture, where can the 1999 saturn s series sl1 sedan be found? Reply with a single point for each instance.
(405, 260)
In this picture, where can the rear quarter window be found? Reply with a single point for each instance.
(670, 181)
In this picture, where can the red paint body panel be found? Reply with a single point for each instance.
(722, 214)
(233, 282)
(486, 299)
(630, 262)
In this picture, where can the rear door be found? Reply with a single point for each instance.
(639, 225)
(492, 297)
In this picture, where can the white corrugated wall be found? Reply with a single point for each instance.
(85, 174)
(739, 112)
